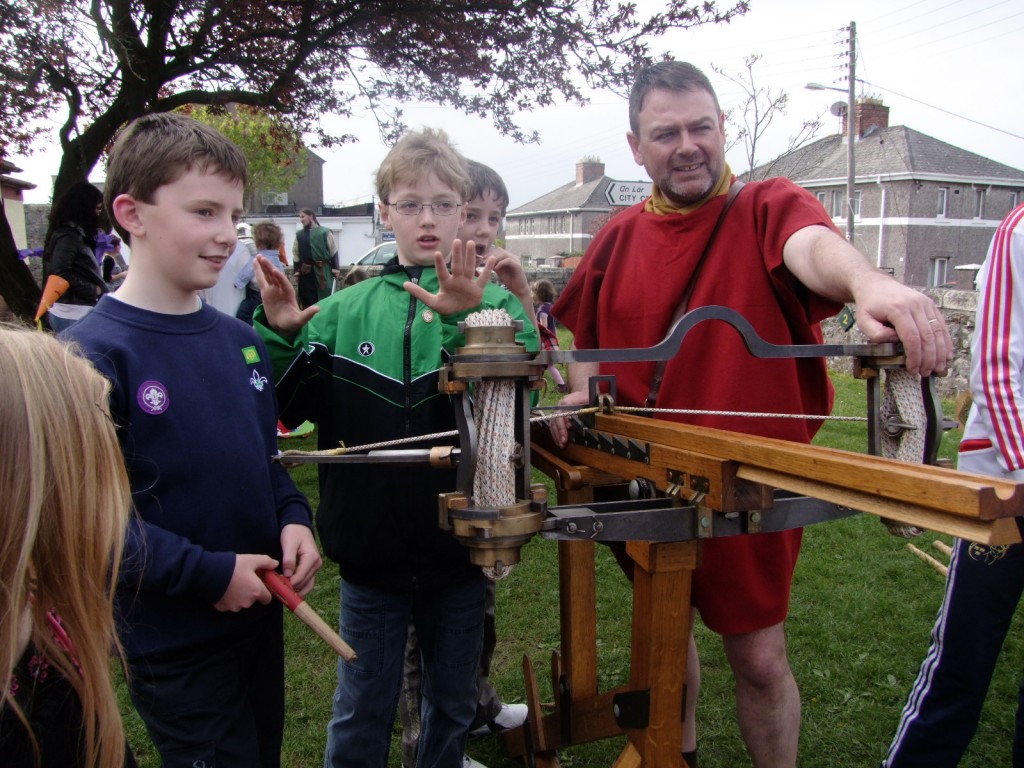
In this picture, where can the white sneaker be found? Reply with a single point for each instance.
(510, 716)
(469, 762)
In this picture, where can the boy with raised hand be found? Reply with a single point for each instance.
(485, 207)
(196, 416)
(365, 364)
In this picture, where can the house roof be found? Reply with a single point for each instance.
(569, 197)
(7, 167)
(893, 151)
(13, 183)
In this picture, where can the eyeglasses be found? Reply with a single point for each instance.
(440, 208)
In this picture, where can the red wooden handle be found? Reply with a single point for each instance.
(280, 587)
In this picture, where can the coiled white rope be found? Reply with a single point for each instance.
(494, 483)
(494, 404)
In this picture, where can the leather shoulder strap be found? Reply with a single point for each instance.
(659, 369)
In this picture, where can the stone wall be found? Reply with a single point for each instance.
(36, 223)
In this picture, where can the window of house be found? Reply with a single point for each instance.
(942, 208)
(979, 203)
(1014, 200)
(937, 272)
(837, 210)
(856, 204)
(822, 198)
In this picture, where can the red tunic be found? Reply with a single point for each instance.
(624, 294)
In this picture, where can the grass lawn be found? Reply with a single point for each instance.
(861, 612)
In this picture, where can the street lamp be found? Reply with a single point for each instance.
(851, 106)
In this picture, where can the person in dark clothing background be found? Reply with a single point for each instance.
(70, 254)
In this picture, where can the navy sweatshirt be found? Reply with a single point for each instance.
(193, 400)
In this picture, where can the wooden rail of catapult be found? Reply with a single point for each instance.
(694, 483)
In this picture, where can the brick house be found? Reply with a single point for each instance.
(561, 223)
(306, 192)
(924, 210)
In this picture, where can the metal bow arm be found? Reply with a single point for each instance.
(878, 354)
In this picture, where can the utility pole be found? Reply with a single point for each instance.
(851, 107)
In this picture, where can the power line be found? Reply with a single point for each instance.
(940, 109)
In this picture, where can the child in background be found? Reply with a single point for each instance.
(365, 364)
(113, 272)
(196, 414)
(543, 297)
(485, 210)
(269, 241)
(62, 527)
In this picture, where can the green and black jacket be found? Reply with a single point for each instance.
(365, 369)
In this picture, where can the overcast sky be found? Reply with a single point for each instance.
(942, 66)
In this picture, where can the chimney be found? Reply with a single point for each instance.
(589, 169)
(869, 112)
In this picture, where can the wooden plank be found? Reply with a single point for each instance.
(629, 757)
(991, 532)
(577, 598)
(591, 719)
(947, 490)
(652, 557)
(661, 615)
(538, 736)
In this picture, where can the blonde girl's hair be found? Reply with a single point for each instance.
(66, 502)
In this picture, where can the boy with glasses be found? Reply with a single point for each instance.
(365, 364)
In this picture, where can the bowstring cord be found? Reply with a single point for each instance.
(541, 418)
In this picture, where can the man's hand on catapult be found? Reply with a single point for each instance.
(890, 311)
(887, 310)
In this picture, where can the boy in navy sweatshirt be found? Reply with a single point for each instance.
(193, 399)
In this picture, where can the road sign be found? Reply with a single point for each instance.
(627, 192)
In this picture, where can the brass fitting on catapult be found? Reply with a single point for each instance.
(494, 535)
(492, 352)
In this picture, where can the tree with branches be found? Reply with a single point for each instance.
(94, 65)
(101, 63)
(273, 149)
(753, 117)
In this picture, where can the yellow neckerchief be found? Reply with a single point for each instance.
(657, 203)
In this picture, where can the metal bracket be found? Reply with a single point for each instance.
(632, 709)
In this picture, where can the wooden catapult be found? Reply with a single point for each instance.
(662, 488)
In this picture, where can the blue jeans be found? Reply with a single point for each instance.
(449, 624)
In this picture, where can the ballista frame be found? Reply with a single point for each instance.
(662, 488)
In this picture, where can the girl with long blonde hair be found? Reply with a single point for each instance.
(64, 509)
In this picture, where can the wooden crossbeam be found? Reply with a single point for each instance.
(967, 505)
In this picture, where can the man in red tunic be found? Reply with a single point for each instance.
(779, 262)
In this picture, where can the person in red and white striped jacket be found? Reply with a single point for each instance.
(985, 583)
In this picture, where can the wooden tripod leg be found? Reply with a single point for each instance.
(661, 631)
(539, 754)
